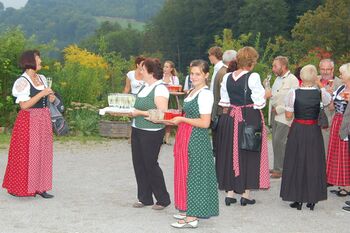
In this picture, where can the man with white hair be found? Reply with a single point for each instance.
(331, 83)
(228, 56)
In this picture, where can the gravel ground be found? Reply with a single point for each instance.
(94, 188)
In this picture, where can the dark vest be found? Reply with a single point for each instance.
(33, 92)
(235, 90)
(307, 104)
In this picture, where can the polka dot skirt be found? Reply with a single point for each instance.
(29, 167)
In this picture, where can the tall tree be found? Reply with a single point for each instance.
(269, 17)
(326, 27)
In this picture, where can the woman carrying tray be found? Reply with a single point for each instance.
(195, 180)
(147, 138)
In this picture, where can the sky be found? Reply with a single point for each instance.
(14, 3)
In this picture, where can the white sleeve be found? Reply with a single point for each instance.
(176, 80)
(130, 74)
(224, 97)
(326, 97)
(186, 83)
(161, 90)
(205, 101)
(21, 90)
(258, 91)
(289, 100)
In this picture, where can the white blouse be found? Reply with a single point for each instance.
(134, 83)
(205, 100)
(174, 80)
(21, 87)
(254, 84)
(290, 97)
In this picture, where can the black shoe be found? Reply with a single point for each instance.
(230, 200)
(245, 201)
(296, 204)
(45, 195)
(310, 205)
(347, 203)
(346, 209)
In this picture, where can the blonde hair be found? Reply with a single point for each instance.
(172, 65)
(345, 68)
(308, 74)
(246, 57)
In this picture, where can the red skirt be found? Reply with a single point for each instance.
(181, 166)
(338, 156)
(29, 167)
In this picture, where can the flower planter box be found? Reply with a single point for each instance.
(115, 129)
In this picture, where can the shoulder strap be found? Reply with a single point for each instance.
(340, 89)
(246, 76)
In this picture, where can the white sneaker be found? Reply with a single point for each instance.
(191, 224)
(179, 216)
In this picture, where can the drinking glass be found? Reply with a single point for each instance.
(49, 82)
(267, 82)
(110, 99)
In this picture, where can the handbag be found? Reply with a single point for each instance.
(214, 123)
(250, 135)
(322, 120)
(60, 126)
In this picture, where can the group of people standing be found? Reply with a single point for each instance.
(235, 97)
(305, 156)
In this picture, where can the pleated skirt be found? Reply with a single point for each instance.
(304, 167)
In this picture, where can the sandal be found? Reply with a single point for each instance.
(343, 193)
(185, 224)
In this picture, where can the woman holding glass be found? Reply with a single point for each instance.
(196, 194)
(29, 167)
(147, 138)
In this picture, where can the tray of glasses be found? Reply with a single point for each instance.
(165, 122)
(116, 111)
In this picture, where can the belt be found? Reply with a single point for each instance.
(305, 122)
(223, 110)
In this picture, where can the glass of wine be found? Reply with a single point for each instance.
(49, 82)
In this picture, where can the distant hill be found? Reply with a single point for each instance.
(68, 21)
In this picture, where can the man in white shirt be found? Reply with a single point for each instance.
(284, 82)
(215, 56)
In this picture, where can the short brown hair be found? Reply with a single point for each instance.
(27, 59)
(246, 57)
(216, 51)
(139, 60)
(154, 67)
(283, 60)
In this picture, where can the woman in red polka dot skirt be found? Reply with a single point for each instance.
(29, 167)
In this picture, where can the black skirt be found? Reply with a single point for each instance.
(304, 168)
(249, 162)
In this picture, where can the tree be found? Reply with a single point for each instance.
(326, 27)
(269, 17)
(12, 43)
